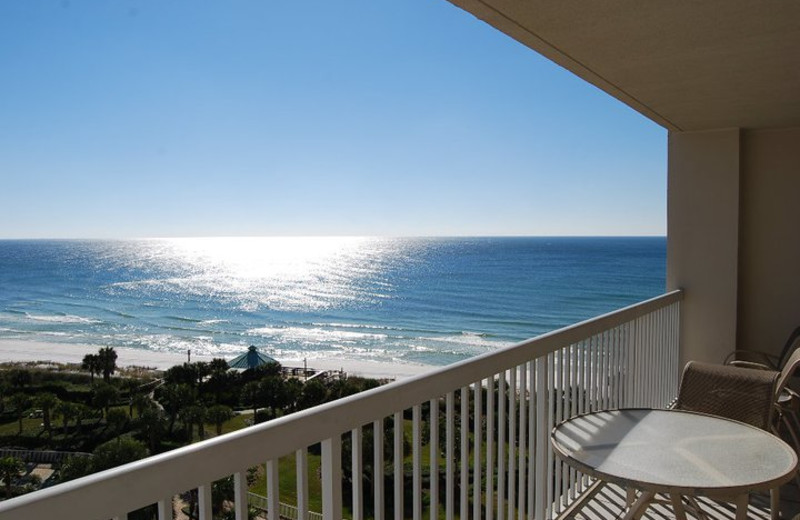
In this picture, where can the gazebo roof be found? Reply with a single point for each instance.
(250, 359)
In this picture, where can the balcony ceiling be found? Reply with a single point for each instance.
(687, 65)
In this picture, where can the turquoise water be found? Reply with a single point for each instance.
(402, 300)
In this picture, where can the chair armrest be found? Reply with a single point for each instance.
(752, 359)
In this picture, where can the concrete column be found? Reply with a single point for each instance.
(703, 238)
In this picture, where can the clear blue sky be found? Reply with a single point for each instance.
(253, 117)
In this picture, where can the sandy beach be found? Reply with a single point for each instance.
(18, 350)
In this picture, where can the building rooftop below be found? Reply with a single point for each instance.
(250, 359)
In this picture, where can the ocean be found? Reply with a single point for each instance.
(430, 301)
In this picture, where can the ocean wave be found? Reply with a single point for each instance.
(212, 322)
(355, 326)
(62, 318)
(314, 335)
(469, 340)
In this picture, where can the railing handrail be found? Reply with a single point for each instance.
(119, 489)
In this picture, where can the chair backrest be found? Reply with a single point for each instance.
(788, 370)
(790, 347)
(741, 394)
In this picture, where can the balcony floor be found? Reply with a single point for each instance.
(609, 504)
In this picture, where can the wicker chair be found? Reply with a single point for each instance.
(743, 394)
(763, 360)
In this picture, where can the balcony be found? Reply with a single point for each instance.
(478, 431)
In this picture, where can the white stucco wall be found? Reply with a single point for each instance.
(769, 259)
(703, 236)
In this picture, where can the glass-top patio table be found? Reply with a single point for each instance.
(676, 452)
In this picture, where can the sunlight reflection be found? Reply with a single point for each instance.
(285, 273)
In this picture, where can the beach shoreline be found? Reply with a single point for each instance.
(13, 350)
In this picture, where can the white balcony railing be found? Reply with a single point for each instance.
(480, 426)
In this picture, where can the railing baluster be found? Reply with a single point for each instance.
(463, 509)
(477, 436)
(550, 424)
(240, 494)
(416, 454)
(203, 502)
(523, 425)
(165, 509)
(357, 473)
(574, 381)
(273, 489)
(607, 370)
(489, 513)
(531, 438)
(399, 431)
(301, 482)
(501, 445)
(450, 455)
(377, 468)
(433, 422)
(331, 478)
(541, 438)
(558, 396)
(512, 441)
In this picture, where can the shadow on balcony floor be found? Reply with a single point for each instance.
(609, 503)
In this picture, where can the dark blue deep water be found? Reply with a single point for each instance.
(403, 300)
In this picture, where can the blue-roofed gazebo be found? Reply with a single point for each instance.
(250, 359)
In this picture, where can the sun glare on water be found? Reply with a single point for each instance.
(284, 273)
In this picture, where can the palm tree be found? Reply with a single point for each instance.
(91, 362)
(20, 378)
(251, 395)
(219, 414)
(68, 411)
(141, 402)
(104, 396)
(10, 468)
(108, 362)
(20, 402)
(174, 398)
(191, 415)
(151, 423)
(47, 402)
(117, 419)
(81, 412)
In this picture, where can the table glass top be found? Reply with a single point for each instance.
(673, 449)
